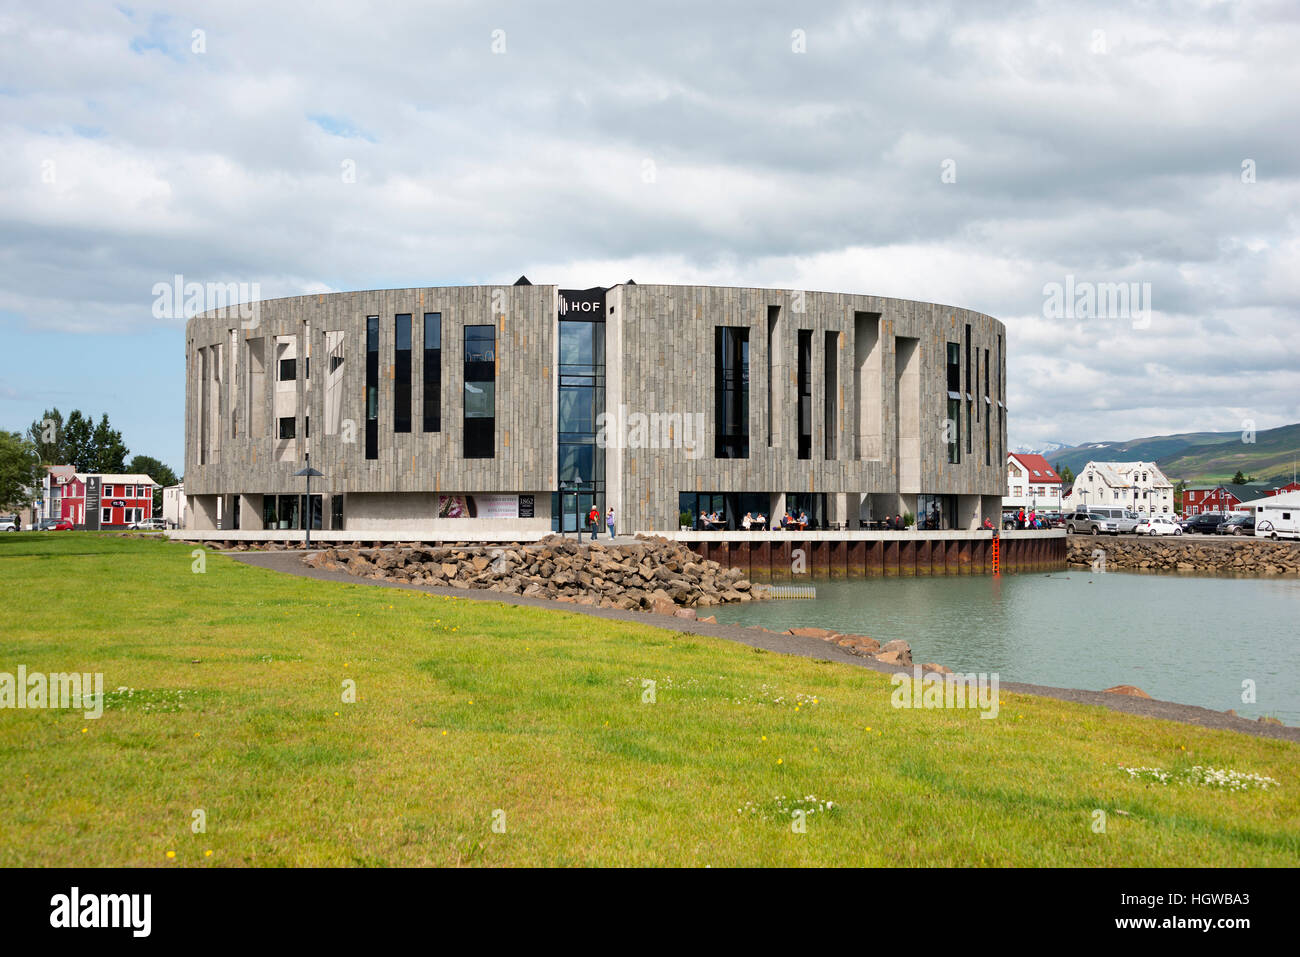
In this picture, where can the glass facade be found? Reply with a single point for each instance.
(582, 399)
(731, 392)
(480, 392)
(402, 372)
(952, 425)
(433, 372)
(730, 507)
(372, 387)
(805, 393)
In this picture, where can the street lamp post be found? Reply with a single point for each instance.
(308, 473)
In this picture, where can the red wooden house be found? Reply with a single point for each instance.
(104, 501)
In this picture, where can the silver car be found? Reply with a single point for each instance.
(1091, 523)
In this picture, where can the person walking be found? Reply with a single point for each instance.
(609, 521)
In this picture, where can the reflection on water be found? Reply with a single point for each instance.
(1179, 638)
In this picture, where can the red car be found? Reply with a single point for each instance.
(55, 525)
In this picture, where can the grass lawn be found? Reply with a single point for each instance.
(468, 708)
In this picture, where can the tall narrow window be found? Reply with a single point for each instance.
(952, 428)
(731, 392)
(952, 424)
(402, 372)
(830, 379)
(372, 387)
(773, 396)
(480, 392)
(805, 393)
(433, 372)
(988, 414)
(970, 387)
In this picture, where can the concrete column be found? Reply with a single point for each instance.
(203, 512)
(250, 512)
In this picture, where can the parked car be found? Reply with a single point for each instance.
(8, 523)
(1237, 525)
(1158, 525)
(55, 525)
(149, 523)
(1205, 523)
(1125, 521)
(1094, 523)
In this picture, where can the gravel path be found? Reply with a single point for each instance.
(290, 562)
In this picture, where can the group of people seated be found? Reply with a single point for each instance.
(712, 520)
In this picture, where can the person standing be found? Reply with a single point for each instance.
(593, 519)
(609, 521)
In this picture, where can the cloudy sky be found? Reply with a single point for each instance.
(964, 153)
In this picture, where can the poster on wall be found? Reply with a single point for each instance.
(496, 506)
(525, 506)
(479, 506)
(455, 506)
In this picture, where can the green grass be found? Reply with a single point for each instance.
(468, 707)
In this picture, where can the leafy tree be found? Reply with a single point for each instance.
(78, 433)
(20, 469)
(47, 435)
(110, 451)
(1067, 474)
(156, 470)
(78, 441)
(1239, 479)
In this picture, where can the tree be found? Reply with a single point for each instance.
(47, 435)
(1067, 474)
(77, 435)
(1239, 479)
(156, 470)
(20, 469)
(110, 451)
(78, 441)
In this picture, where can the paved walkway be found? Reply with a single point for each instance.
(291, 563)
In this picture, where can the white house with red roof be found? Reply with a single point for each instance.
(1031, 483)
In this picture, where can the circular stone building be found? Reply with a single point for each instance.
(480, 412)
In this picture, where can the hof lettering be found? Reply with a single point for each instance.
(583, 302)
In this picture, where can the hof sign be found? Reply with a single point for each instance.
(583, 303)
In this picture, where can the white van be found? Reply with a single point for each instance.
(1277, 521)
(1125, 520)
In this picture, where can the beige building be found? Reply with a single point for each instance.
(510, 410)
(1137, 486)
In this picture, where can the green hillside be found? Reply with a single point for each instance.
(1198, 456)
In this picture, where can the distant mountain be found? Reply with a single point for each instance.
(1196, 457)
(1046, 449)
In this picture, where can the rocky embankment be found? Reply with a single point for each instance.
(1240, 556)
(896, 652)
(652, 574)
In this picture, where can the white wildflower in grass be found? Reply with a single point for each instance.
(1227, 780)
(148, 700)
(780, 807)
(727, 689)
